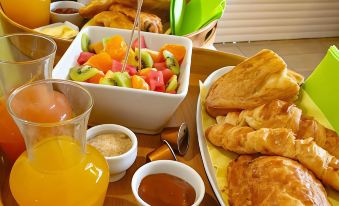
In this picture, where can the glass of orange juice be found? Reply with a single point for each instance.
(29, 13)
(23, 58)
(58, 168)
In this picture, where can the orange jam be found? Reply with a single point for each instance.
(166, 190)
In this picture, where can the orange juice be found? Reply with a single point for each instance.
(29, 13)
(37, 103)
(11, 141)
(60, 174)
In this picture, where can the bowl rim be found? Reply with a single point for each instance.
(59, 4)
(183, 166)
(115, 128)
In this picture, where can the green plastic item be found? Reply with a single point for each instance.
(177, 14)
(198, 13)
(320, 92)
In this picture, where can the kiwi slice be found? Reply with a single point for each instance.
(82, 73)
(85, 42)
(146, 59)
(171, 62)
(122, 79)
(107, 81)
(172, 84)
(104, 41)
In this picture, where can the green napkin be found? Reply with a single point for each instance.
(320, 92)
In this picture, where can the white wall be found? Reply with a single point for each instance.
(250, 20)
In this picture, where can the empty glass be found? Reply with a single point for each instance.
(23, 58)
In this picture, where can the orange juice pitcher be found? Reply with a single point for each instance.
(29, 13)
(23, 58)
(57, 168)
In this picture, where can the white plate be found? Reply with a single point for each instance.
(201, 136)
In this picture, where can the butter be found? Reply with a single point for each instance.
(62, 31)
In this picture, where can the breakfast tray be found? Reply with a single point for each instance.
(204, 62)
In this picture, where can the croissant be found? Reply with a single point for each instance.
(282, 142)
(324, 137)
(281, 114)
(275, 114)
(262, 181)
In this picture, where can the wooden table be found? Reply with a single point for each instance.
(119, 193)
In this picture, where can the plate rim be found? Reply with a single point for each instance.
(206, 159)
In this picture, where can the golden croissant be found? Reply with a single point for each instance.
(272, 180)
(282, 142)
(254, 82)
(280, 114)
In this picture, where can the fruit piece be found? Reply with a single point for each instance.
(139, 83)
(155, 80)
(82, 73)
(178, 51)
(116, 47)
(83, 57)
(100, 61)
(122, 79)
(135, 43)
(145, 72)
(109, 74)
(172, 84)
(107, 81)
(132, 59)
(104, 41)
(96, 78)
(117, 67)
(96, 47)
(167, 74)
(146, 59)
(156, 56)
(84, 42)
(160, 88)
(160, 66)
(171, 62)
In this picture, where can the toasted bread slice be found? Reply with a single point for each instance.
(254, 82)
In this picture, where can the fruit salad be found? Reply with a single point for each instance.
(102, 63)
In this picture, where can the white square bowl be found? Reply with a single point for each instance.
(141, 111)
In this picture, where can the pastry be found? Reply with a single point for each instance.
(324, 137)
(149, 22)
(272, 181)
(275, 114)
(94, 8)
(282, 142)
(254, 82)
(231, 118)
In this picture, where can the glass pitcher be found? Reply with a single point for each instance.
(58, 168)
(23, 58)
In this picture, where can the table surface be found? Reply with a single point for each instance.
(119, 193)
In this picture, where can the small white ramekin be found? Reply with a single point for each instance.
(73, 18)
(117, 164)
(173, 168)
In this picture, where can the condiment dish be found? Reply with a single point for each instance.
(173, 168)
(117, 164)
(74, 18)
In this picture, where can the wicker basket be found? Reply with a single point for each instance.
(202, 38)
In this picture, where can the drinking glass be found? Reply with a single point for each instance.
(58, 168)
(23, 58)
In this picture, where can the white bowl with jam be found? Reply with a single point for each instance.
(117, 144)
(167, 182)
(62, 11)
